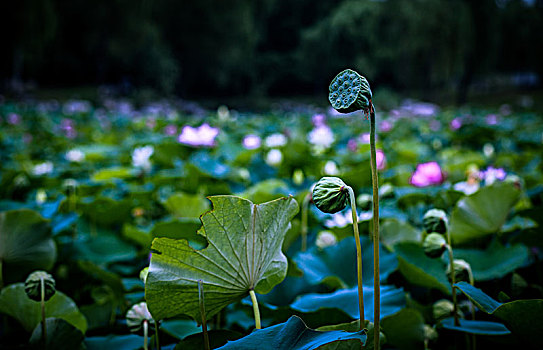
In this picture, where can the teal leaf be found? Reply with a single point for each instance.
(336, 265)
(294, 335)
(15, 303)
(392, 300)
(180, 328)
(115, 342)
(494, 262)
(404, 329)
(217, 338)
(393, 231)
(419, 269)
(243, 253)
(61, 335)
(25, 244)
(522, 317)
(482, 213)
(476, 327)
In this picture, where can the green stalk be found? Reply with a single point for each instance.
(43, 327)
(255, 309)
(156, 335)
(376, 277)
(305, 207)
(1, 276)
(453, 281)
(203, 314)
(358, 257)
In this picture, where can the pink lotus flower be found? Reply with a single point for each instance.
(352, 145)
(318, 120)
(427, 174)
(491, 119)
(204, 135)
(13, 119)
(455, 124)
(385, 126)
(251, 141)
(380, 159)
(170, 130)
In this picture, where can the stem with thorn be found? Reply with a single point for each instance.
(203, 314)
(255, 309)
(43, 327)
(145, 334)
(453, 281)
(157, 343)
(305, 207)
(375, 184)
(358, 257)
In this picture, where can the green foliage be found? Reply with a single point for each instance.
(243, 253)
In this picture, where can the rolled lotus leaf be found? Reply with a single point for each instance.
(33, 285)
(435, 220)
(434, 245)
(461, 271)
(350, 92)
(330, 195)
(136, 315)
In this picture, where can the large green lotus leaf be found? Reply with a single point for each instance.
(217, 338)
(186, 205)
(476, 327)
(61, 335)
(15, 303)
(482, 213)
(115, 342)
(392, 300)
(336, 265)
(107, 211)
(25, 244)
(419, 269)
(494, 262)
(243, 253)
(523, 317)
(294, 335)
(111, 174)
(180, 328)
(393, 231)
(404, 329)
(266, 190)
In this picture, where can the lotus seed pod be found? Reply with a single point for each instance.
(350, 92)
(442, 309)
(461, 270)
(435, 220)
(33, 285)
(136, 315)
(434, 245)
(330, 195)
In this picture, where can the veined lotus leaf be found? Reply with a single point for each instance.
(243, 253)
(482, 213)
(25, 244)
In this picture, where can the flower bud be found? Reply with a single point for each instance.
(442, 309)
(461, 270)
(325, 239)
(136, 315)
(330, 195)
(33, 285)
(434, 245)
(364, 201)
(435, 220)
(350, 92)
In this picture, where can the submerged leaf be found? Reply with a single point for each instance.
(243, 253)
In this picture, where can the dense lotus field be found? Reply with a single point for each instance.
(94, 195)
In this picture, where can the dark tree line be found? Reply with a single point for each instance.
(263, 47)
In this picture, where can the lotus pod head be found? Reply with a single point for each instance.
(137, 314)
(434, 245)
(330, 195)
(33, 285)
(350, 92)
(435, 220)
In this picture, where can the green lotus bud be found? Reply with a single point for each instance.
(350, 92)
(33, 285)
(364, 201)
(461, 270)
(430, 334)
(330, 195)
(435, 220)
(442, 309)
(434, 245)
(325, 239)
(136, 315)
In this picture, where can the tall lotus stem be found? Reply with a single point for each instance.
(453, 281)
(1, 276)
(305, 207)
(358, 257)
(376, 277)
(145, 334)
(157, 342)
(255, 309)
(203, 314)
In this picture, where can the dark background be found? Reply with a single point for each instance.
(225, 48)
